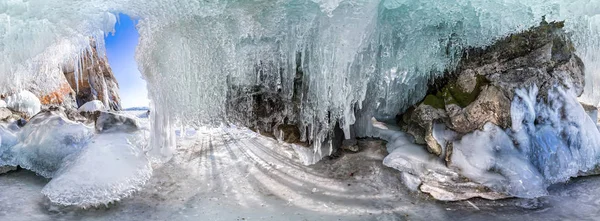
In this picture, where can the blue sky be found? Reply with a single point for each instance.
(120, 49)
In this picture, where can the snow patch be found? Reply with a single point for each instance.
(92, 106)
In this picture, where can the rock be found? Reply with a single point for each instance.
(490, 106)
(63, 96)
(6, 169)
(5, 113)
(350, 145)
(420, 122)
(288, 133)
(109, 122)
(591, 110)
(95, 81)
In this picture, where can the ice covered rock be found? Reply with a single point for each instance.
(92, 106)
(110, 168)
(490, 158)
(481, 88)
(24, 102)
(45, 141)
(428, 173)
(109, 122)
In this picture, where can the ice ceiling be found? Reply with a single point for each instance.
(369, 55)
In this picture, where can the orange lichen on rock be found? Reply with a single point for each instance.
(58, 96)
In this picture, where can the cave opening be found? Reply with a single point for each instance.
(120, 51)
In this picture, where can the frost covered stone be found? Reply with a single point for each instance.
(92, 106)
(25, 102)
(109, 122)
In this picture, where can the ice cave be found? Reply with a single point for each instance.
(300, 110)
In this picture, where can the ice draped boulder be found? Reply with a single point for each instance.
(108, 169)
(45, 141)
(506, 122)
(24, 102)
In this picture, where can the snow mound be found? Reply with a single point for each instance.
(108, 169)
(45, 141)
(2, 104)
(92, 106)
(25, 102)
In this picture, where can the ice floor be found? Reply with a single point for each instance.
(234, 175)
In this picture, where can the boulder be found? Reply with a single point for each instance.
(109, 122)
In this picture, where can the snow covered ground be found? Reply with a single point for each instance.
(233, 174)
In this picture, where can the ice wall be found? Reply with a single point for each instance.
(355, 54)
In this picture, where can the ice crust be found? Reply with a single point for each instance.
(356, 55)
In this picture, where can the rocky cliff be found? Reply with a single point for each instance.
(94, 80)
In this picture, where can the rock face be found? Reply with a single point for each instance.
(95, 80)
(465, 120)
(484, 83)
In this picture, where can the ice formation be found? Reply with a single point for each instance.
(87, 169)
(25, 102)
(92, 106)
(369, 58)
(44, 142)
(110, 168)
